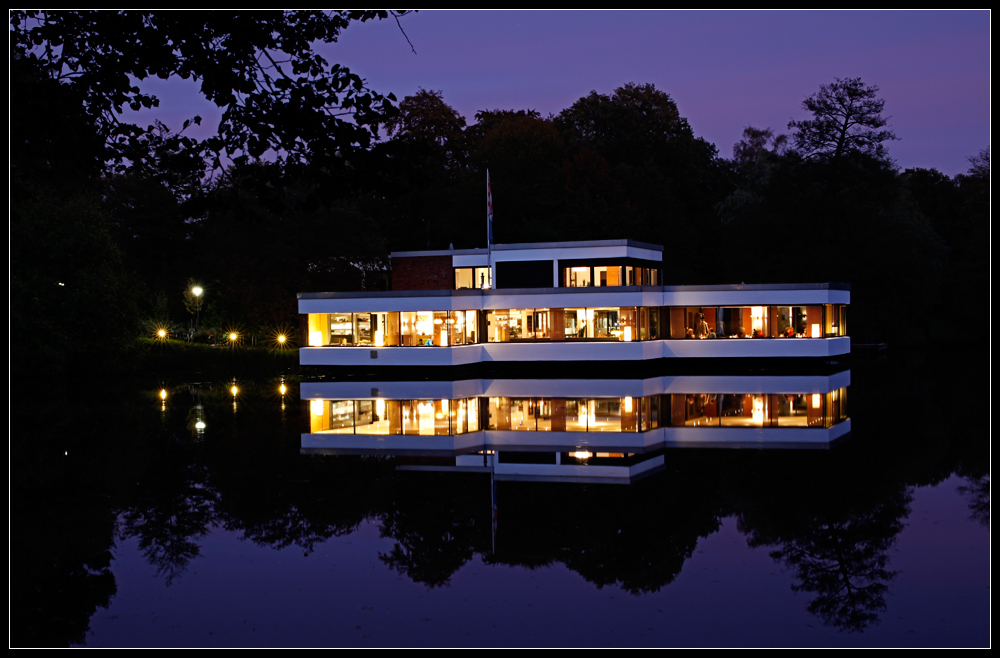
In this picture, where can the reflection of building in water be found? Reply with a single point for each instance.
(572, 301)
(610, 430)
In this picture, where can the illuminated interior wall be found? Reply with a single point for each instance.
(558, 415)
(814, 321)
(319, 329)
(319, 415)
(677, 323)
(557, 324)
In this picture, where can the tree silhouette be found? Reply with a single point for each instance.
(847, 118)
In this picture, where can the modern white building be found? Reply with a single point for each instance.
(565, 302)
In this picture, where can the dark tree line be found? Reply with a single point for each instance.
(111, 221)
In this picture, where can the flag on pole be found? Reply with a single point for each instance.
(489, 211)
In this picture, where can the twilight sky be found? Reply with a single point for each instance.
(725, 70)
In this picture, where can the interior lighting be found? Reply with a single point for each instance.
(380, 407)
(815, 400)
(815, 331)
(316, 406)
(316, 339)
(582, 454)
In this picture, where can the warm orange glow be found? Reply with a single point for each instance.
(234, 390)
(163, 394)
(233, 336)
(162, 333)
(582, 454)
(281, 338)
(283, 389)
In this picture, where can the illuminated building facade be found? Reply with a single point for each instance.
(574, 302)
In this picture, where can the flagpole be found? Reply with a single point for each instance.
(489, 228)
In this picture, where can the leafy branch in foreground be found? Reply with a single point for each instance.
(277, 92)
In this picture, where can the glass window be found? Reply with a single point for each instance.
(377, 417)
(464, 277)
(577, 415)
(743, 410)
(341, 329)
(498, 414)
(603, 323)
(797, 321)
(331, 416)
(484, 277)
(498, 326)
(363, 328)
(576, 277)
(608, 276)
(629, 319)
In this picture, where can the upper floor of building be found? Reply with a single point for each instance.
(592, 263)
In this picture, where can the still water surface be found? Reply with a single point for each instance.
(162, 535)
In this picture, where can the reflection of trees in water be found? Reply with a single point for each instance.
(609, 534)
(978, 492)
(844, 563)
(170, 515)
(436, 522)
(834, 533)
(282, 501)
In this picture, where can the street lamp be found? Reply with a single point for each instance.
(196, 291)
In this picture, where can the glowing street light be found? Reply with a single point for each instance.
(196, 292)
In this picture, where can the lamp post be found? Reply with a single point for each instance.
(196, 291)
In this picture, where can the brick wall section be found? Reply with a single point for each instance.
(422, 273)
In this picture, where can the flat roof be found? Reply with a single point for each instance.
(469, 292)
(580, 244)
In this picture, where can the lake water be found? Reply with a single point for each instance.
(132, 526)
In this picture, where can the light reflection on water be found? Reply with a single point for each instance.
(227, 536)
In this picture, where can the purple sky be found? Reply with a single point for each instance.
(725, 70)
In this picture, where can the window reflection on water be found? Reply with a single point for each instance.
(624, 414)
